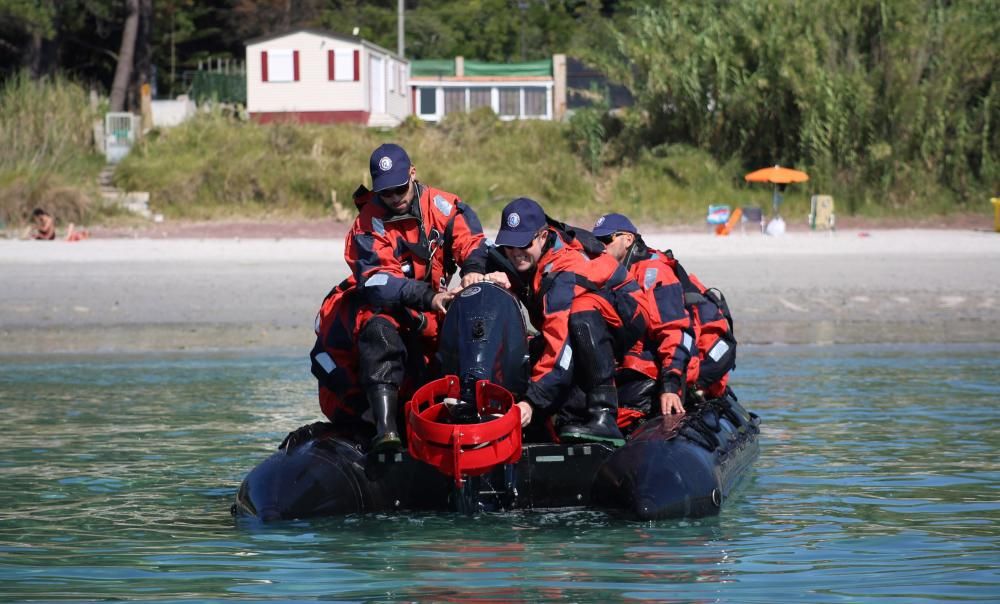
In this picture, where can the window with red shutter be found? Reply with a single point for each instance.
(278, 65)
(342, 67)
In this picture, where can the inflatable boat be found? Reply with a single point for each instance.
(472, 457)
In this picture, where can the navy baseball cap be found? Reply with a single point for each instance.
(521, 219)
(389, 166)
(613, 223)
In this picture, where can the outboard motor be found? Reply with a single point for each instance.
(466, 424)
(483, 338)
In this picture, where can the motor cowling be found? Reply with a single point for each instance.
(484, 337)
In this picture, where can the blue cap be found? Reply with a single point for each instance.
(521, 219)
(613, 223)
(389, 166)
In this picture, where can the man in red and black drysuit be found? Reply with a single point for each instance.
(670, 319)
(713, 354)
(403, 249)
(590, 315)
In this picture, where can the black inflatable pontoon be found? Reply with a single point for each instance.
(669, 467)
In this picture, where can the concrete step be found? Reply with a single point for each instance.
(383, 120)
(133, 201)
(136, 202)
(107, 176)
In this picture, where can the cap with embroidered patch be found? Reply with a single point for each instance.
(521, 219)
(613, 223)
(389, 166)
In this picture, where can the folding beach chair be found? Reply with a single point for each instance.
(752, 215)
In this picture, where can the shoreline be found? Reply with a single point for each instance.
(229, 340)
(231, 295)
(325, 227)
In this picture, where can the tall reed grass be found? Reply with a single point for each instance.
(45, 124)
(47, 157)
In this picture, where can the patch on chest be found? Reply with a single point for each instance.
(442, 205)
(650, 278)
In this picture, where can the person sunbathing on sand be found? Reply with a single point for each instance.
(44, 226)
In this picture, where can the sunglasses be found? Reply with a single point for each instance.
(606, 239)
(396, 191)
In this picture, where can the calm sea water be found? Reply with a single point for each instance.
(878, 481)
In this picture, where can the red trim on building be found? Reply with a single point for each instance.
(331, 60)
(295, 65)
(263, 65)
(312, 117)
(357, 65)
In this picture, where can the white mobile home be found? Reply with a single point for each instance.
(309, 75)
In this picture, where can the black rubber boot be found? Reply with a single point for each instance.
(383, 405)
(381, 361)
(594, 372)
(602, 407)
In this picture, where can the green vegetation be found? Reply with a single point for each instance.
(887, 105)
(891, 107)
(47, 157)
(216, 166)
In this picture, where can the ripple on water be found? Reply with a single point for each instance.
(877, 480)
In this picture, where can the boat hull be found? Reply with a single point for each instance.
(670, 467)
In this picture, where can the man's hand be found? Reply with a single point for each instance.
(472, 278)
(500, 278)
(525, 407)
(670, 403)
(441, 300)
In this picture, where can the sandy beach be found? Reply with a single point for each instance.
(167, 295)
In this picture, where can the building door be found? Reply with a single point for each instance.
(376, 86)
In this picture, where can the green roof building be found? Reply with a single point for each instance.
(532, 90)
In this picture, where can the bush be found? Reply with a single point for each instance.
(214, 166)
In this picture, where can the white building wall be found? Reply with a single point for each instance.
(314, 91)
(398, 103)
(167, 113)
(395, 89)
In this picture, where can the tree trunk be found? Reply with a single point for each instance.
(126, 56)
(173, 53)
(42, 53)
(142, 73)
(33, 56)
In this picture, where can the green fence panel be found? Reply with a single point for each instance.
(221, 87)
